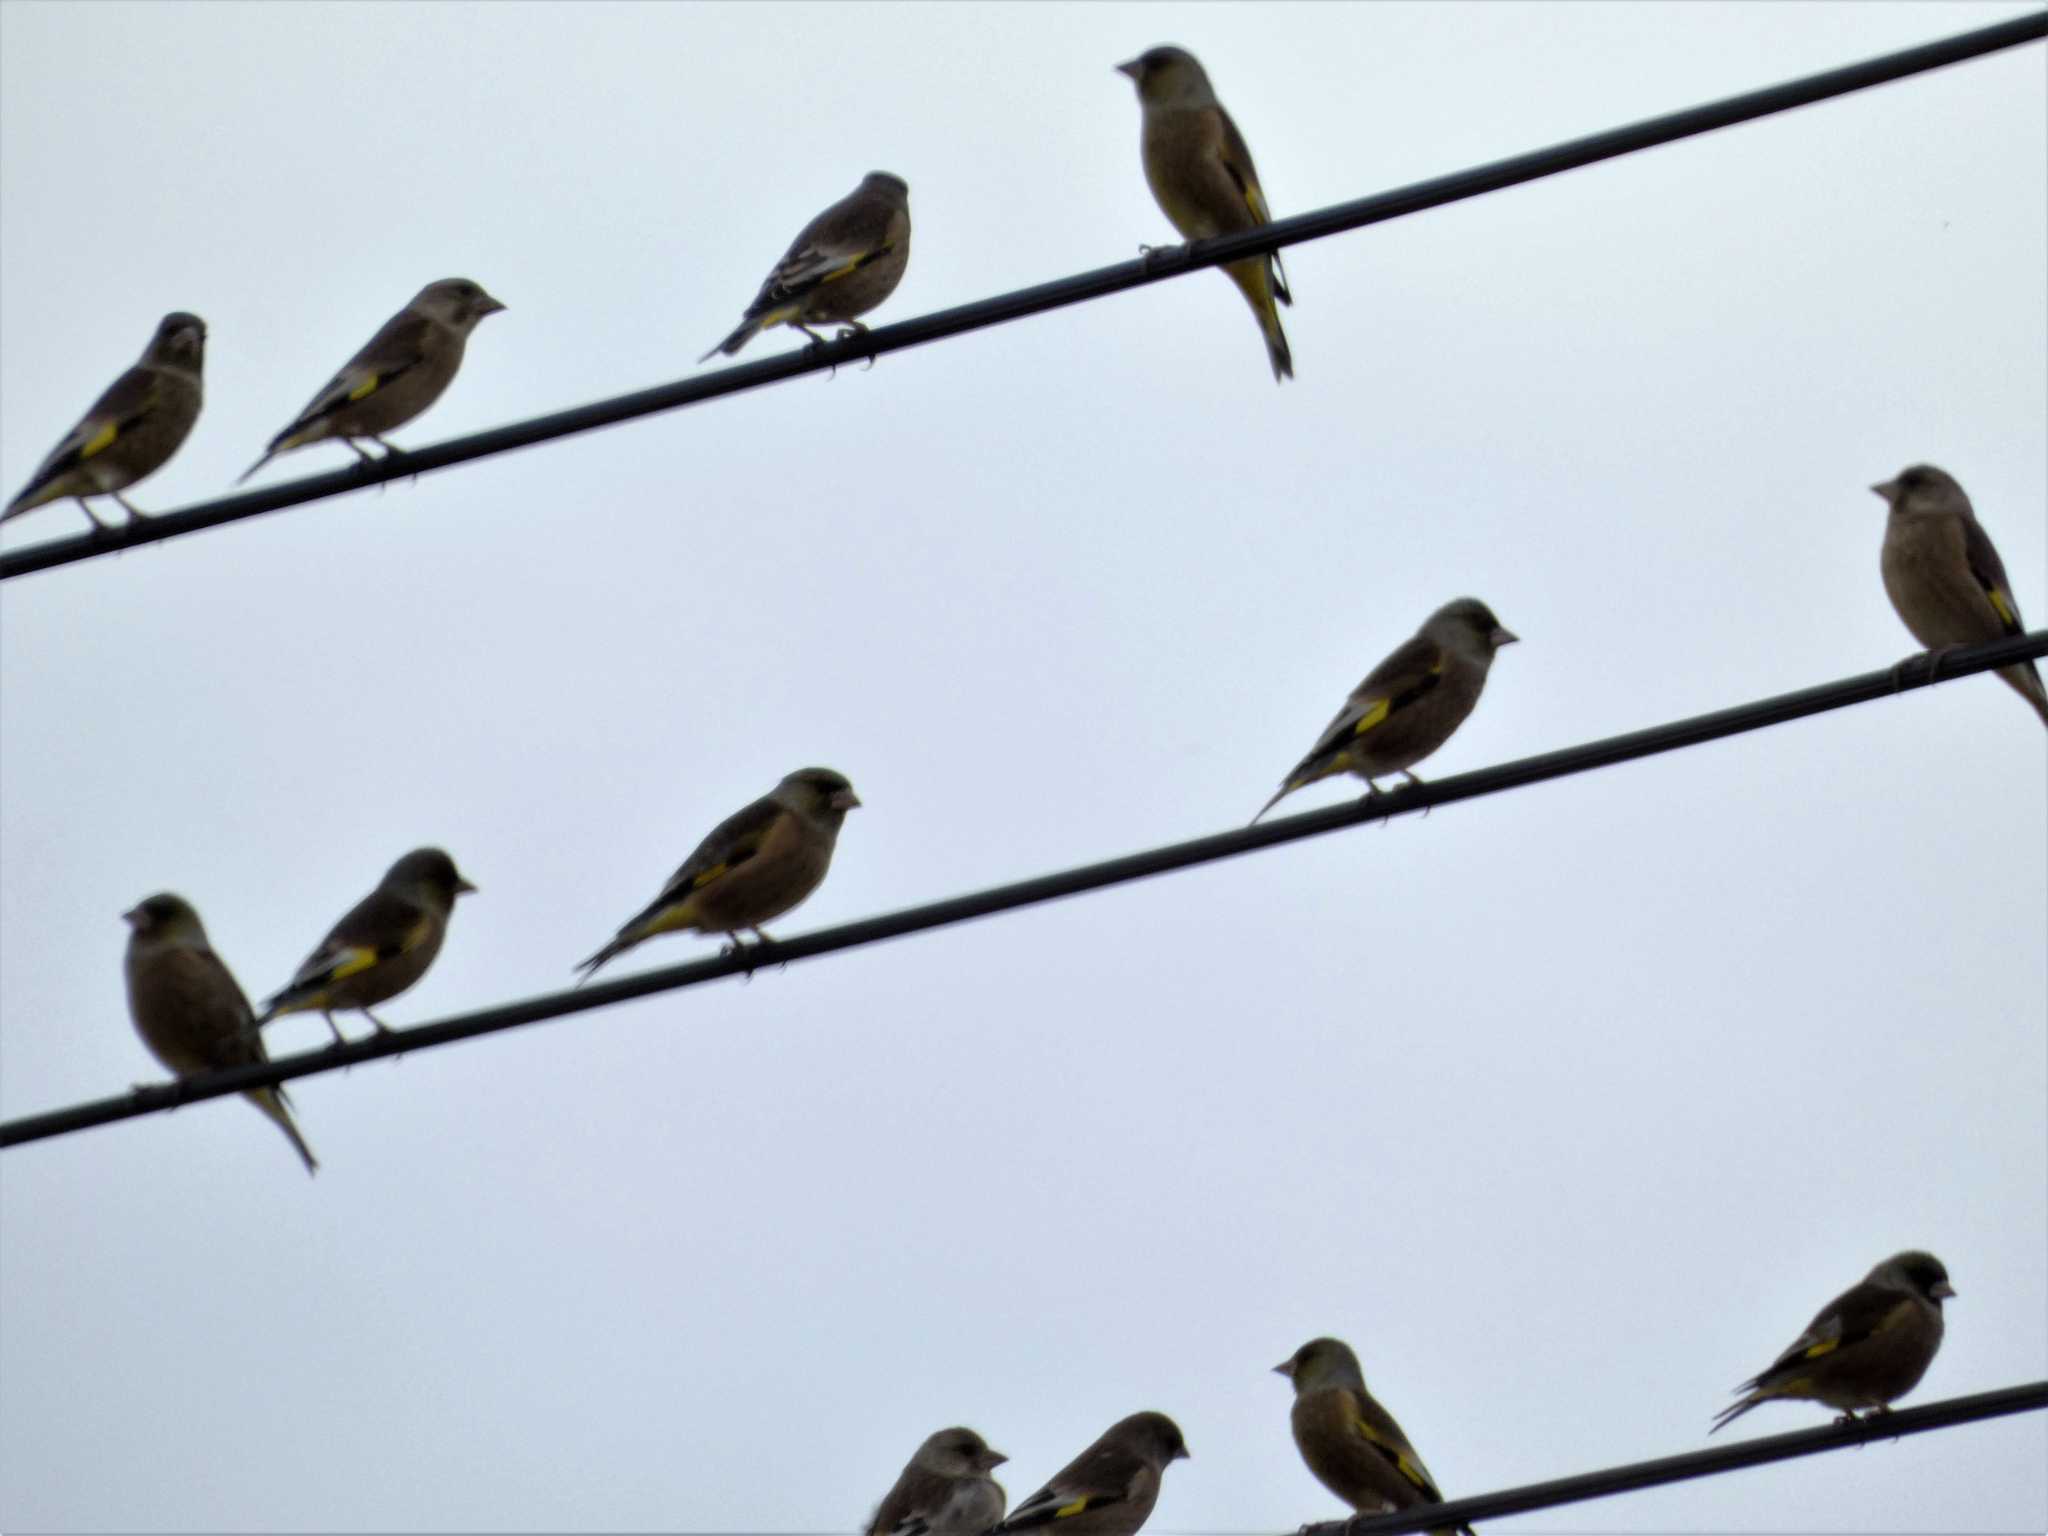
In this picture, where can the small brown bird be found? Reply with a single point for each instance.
(399, 373)
(189, 1009)
(1944, 577)
(757, 864)
(1202, 177)
(843, 263)
(381, 946)
(1349, 1441)
(945, 1489)
(132, 430)
(1869, 1345)
(1409, 704)
(1110, 1488)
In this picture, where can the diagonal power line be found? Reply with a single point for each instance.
(1915, 672)
(1167, 262)
(1714, 1460)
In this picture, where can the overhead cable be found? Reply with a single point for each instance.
(1156, 266)
(1916, 671)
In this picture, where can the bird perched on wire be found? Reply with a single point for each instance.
(1110, 1488)
(757, 864)
(1352, 1444)
(132, 429)
(945, 1489)
(1409, 704)
(1869, 1345)
(842, 264)
(399, 373)
(189, 1009)
(381, 946)
(1202, 177)
(1943, 575)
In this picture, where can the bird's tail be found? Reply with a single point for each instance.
(739, 338)
(1278, 795)
(1735, 1411)
(1257, 280)
(2026, 678)
(274, 1104)
(28, 500)
(626, 940)
(268, 455)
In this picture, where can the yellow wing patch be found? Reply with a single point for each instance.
(1407, 1468)
(1375, 716)
(353, 962)
(100, 441)
(1074, 1508)
(705, 877)
(1999, 600)
(367, 388)
(838, 272)
(1814, 1352)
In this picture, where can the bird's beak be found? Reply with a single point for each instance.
(1129, 67)
(1502, 636)
(844, 800)
(1888, 489)
(463, 887)
(1285, 1368)
(1941, 1288)
(990, 1460)
(1183, 1454)
(132, 917)
(491, 306)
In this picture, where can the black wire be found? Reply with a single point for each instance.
(1729, 1457)
(1916, 671)
(1169, 261)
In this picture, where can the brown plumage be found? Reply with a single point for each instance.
(944, 1490)
(399, 372)
(189, 1009)
(381, 946)
(842, 264)
(1352, 1444)
(132, 430)
(1110, 1488)
(1409, 704)
(1202, 177)
(1869, 1345)
(757, 864)
(1945, 578)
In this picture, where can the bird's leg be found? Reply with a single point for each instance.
(1373, 792)
(1417, 782)
(360, 451)
(135, 514)
(856, 328)
(762, 934)
(815, 343)
(382, 1027)
(1934, 674)
(334, 1029)
(86, 507)
(743, 951)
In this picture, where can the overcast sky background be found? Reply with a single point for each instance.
(1566, 1107)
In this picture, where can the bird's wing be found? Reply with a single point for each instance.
(1990, 573)
(398, 347)
(1101, 1476)
(383, 924)
(1414, 669)
(1376, 1427)
(127, 400)
(1237, 160)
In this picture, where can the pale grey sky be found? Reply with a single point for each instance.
(1566, 1107)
